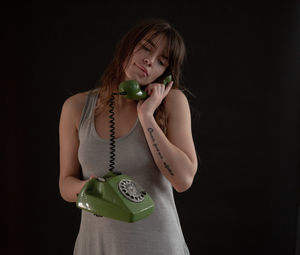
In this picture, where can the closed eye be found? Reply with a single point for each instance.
(146, 48)
(162, 63)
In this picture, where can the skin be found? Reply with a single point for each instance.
(174, 154)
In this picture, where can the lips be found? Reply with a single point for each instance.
(143, 69)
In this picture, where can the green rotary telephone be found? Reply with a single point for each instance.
(116, 195)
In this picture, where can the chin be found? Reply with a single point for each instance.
(141, 81)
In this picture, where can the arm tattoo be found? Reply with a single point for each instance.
(150, 130)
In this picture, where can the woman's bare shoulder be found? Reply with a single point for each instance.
(175, 94)
(174, 100)
(77, 101)
(73, 106)
(76, 98)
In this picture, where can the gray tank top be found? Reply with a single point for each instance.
(158, 234)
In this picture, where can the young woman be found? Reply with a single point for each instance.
(154, 144)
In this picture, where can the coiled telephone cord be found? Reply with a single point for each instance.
(112, 130)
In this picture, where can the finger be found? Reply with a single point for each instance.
(149, 91)
(153, 89)
(152, 85)
(168, 88)
(162, 89)
(139, 103)
(170, 83)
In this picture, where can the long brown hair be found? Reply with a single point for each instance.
(114, 73)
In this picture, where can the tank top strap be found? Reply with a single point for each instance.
(87, 114)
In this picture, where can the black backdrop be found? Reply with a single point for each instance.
(241, 65)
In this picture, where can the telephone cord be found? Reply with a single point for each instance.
(112, 130)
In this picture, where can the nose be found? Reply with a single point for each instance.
(149, 60)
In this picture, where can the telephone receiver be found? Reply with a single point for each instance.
(115, 196)
(132, 90)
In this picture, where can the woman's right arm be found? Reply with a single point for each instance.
(70, 183)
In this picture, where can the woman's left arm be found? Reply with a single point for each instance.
(174, 154)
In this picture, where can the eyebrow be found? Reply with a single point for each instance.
(153, 45)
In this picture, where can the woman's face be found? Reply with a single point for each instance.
(149, 60)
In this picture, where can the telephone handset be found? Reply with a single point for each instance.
(131, 88)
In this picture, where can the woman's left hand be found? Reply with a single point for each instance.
(157, 92)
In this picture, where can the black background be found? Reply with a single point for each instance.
(243, 69)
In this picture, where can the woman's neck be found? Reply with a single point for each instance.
(123, 102)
